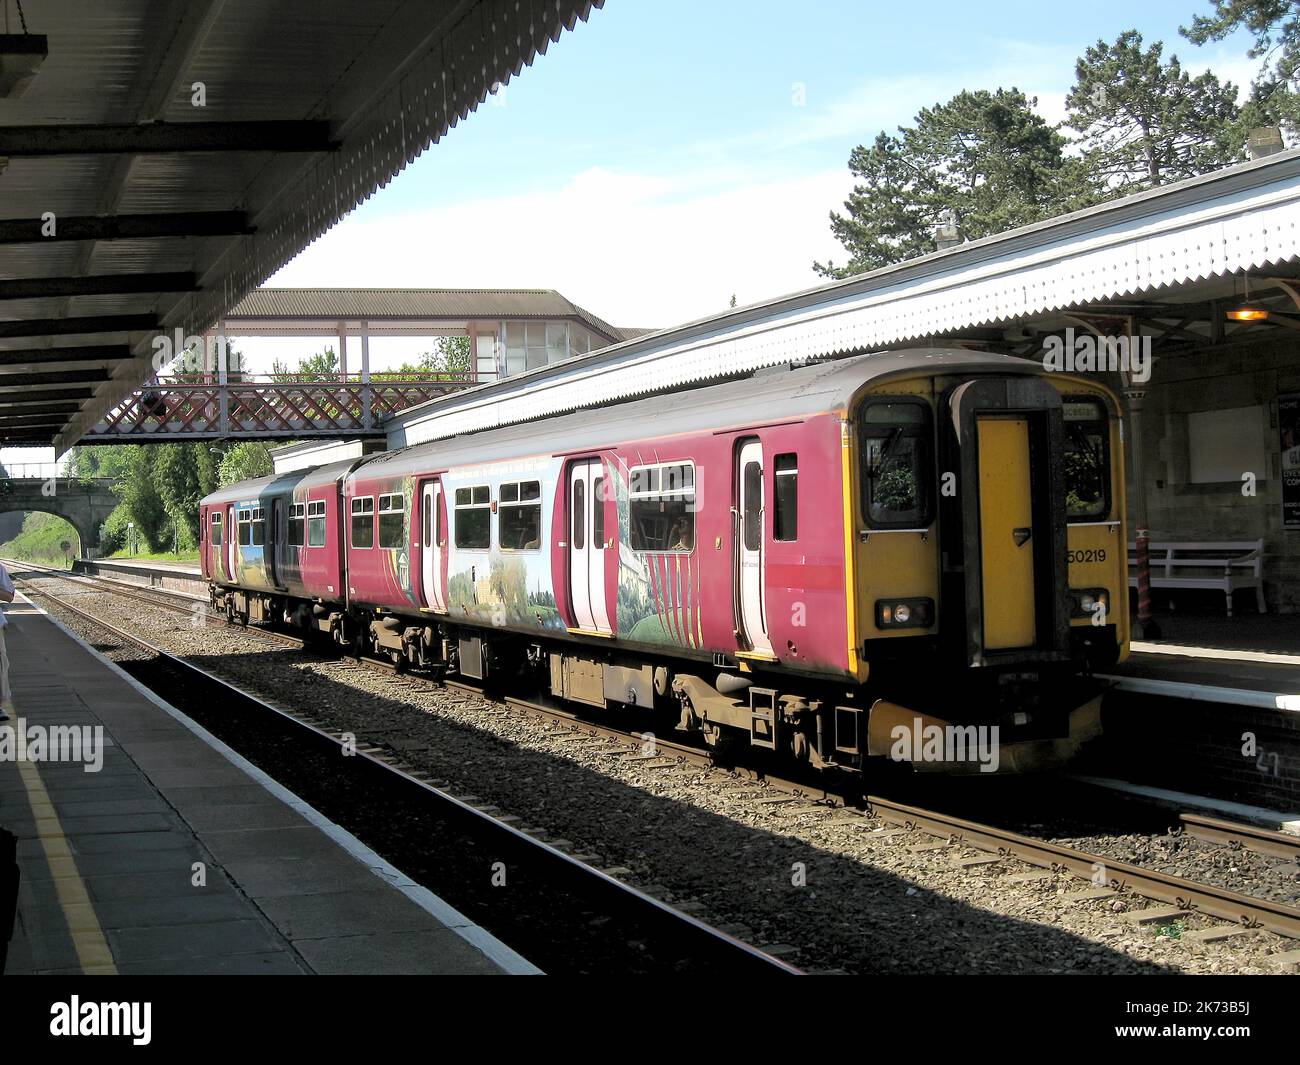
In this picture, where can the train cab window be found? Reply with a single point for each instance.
(316, 523)
(785, 515)
(519, 516)
(363, 521)
(1086, 458)
(661, 507)
(474, 518)
(392, 521)
(216, 530)
(296, 524)
(257, 526)
(896, 467)
(244, 519)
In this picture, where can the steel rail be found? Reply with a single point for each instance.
(1249, 911)
(1241, 837)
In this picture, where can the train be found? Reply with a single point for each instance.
(908, 556)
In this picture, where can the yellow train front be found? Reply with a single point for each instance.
(990, 567)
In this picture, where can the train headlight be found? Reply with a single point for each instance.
(1088, 602)
(904, 613)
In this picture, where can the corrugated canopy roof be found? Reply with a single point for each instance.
(126, 209)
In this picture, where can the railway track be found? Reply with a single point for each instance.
(1103, 876)
(604, 910)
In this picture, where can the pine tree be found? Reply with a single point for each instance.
(1144, 121)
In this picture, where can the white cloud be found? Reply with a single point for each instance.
(634, 249)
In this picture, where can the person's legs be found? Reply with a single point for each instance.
(6, 696)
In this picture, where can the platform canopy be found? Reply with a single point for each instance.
(161, 158)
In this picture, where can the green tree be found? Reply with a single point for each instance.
(987, 157)
(138, 488)
(1275, 27)
(245, 461)
(186, 473)
(1144, 121)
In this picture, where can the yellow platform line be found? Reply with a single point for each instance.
(93, 953)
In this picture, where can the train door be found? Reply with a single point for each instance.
(1011, 437)
(433, 537)
(1006, 532)
(232, 547)
(750, 536)
(274, 543)
(589, 548)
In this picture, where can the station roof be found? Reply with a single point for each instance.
(1164, 259)
(266, 309)
(170, 155)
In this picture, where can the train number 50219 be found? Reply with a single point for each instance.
(1090, 555)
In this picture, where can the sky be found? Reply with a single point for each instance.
(669, 154)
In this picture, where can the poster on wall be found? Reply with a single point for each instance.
(1288, 423)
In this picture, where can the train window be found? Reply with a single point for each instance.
(245, 521)
(519, 516)
(424, 521)
(598, 513)
(363, 521)
(896, 467)
(661, 507)
(579, 513)
(316, 523)
(474, 518)
(216, 530)
(785, 515)
(257, 526)
(1086, 458)
(752, 485)
(392, 521)
(296, 524)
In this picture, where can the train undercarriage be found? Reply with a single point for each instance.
(952, 721)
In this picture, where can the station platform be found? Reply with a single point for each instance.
(1253, 660)
(183, 577)
(176, 856)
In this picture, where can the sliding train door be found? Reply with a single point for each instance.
(750, 537)
(433, 538)
(589, 548)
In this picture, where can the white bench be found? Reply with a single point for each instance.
(1223, 565)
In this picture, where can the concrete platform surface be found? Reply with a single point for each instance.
(174, 855)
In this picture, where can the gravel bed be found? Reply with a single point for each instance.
(848, 893)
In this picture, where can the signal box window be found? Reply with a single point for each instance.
(1086, 458)
(896, 468)
(474, 518)
(296, 524)
(519, 516)
(661, 508)
(392, 521)
(316, 523)
(363, 521)
(216, 530)
(785, 515)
